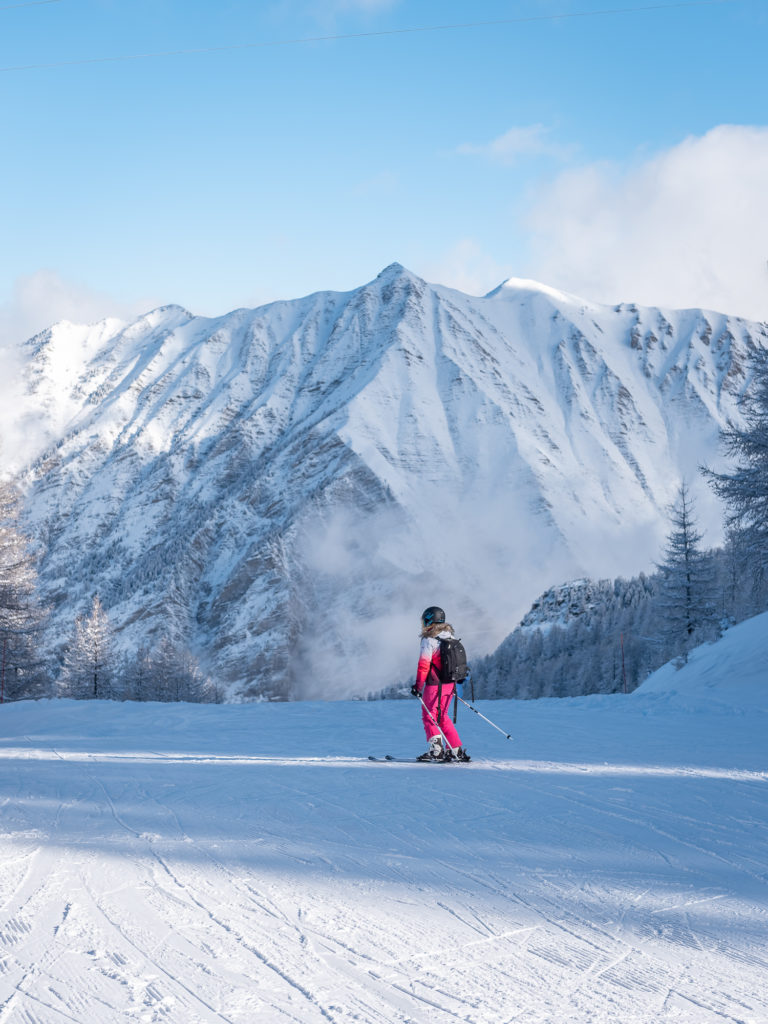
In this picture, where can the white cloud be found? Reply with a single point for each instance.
(517, 143)
(687, 227)
(41, 299)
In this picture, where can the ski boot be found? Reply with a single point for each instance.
(435, 752)
(457, 754)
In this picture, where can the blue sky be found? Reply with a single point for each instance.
(622, 156)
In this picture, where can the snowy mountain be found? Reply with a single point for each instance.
(284, 489)
(563, 604)
(195, 863)
(582, 637)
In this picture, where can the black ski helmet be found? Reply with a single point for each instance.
(433, 616)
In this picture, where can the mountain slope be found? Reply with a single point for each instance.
(284, 488)
(732, 672)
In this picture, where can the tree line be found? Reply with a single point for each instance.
(90, 664)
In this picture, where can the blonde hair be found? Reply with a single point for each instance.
(435, 629)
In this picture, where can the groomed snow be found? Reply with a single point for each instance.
(249, 864)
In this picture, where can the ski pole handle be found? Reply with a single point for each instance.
(471, 682)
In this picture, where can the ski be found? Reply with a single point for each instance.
(406, 760)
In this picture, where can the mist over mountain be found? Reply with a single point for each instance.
(284, 489)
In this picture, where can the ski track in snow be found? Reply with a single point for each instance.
(164, 865)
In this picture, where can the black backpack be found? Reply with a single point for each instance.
(453, 659)
(453, 670)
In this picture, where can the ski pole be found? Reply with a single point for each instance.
(445, 741)
(471, 708)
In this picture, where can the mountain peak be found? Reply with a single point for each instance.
(516, 287)
(396, 271)
(171, 311)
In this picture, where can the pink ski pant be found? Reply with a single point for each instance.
(429, 696)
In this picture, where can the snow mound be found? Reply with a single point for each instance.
(732, 671)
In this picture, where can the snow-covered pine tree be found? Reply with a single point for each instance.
(175, 673)
(745, 489)
(137, 674)
(89, 666)
(686, 596)
(21, 674)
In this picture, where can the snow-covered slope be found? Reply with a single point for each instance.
(733, 671)
(268, 484)
(190, 864)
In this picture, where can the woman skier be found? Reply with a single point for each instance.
(436, 696)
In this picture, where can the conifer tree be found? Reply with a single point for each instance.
(138, 676)
(89, 665)
(745, 489)
(20, 614)
(687, 587)
(176, 674)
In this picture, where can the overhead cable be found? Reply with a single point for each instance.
(359, 35)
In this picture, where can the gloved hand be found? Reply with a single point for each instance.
(415, 691)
